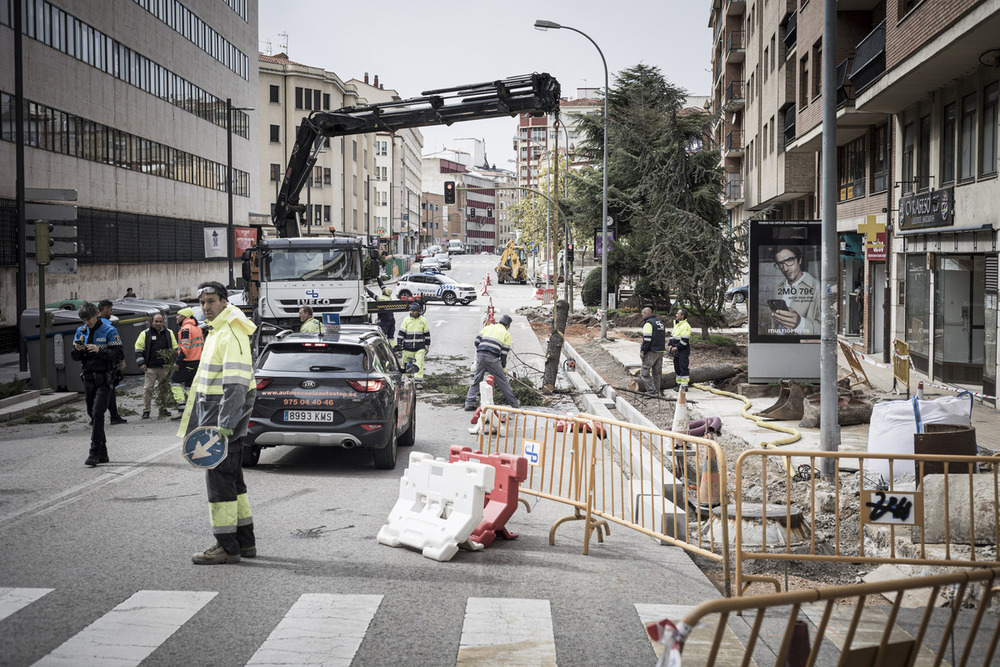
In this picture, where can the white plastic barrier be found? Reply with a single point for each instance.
(479, 420)
(894, 423)
(440, 504)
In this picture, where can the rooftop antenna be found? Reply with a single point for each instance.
(284, 46)
(267, 47)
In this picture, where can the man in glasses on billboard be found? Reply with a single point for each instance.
(794, 303)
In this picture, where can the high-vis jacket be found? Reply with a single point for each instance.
(223, 386)
(414, 334)
(310, 326)
(150, 343)
(680, 337)
(654, 335)
(494, 340)
(190, 341)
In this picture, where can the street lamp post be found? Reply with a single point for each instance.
(547, 25)
(231, 242)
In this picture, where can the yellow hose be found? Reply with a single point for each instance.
(793, 434)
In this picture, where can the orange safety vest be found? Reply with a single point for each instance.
(190, 341)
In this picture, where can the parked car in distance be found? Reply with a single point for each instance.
(738, 294)
(444, 260)
(435, 287)
(340, 390)
(428, 263)
(429, 251)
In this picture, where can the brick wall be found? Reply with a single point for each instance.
(906, 34)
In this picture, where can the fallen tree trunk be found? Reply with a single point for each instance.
(710, 373)
(553, 351)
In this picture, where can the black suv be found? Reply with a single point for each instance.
(332, 390)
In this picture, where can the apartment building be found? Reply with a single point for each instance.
(472, 219)
(917, 134)
(126, 102)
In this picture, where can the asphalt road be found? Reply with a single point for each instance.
(96, 562)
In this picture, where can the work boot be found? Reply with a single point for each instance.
(92, 457)
(470, 408)
(119, 420)
(215, 555)
(102, 454)
(145, 414)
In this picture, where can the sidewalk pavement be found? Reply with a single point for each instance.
(985, 418)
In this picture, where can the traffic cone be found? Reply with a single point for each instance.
(709, 489)
(681, 417)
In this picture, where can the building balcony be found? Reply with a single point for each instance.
(791, 36)
(734, 96)
(869, 59)
(733, 193)
(736, 7)
(845, 91)
(718, 69)
(734, 143)
(735, 47)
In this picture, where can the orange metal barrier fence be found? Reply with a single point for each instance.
(864, 631)
(659, 483)
(917, 509)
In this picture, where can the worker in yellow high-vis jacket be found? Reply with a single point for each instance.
(414, 339)
(223, 396)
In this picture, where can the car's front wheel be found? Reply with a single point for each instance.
(450, 299)
(251, 455)
(385, 458)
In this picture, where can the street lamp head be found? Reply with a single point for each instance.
(543, 25)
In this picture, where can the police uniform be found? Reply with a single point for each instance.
(98, 371)
(414, 339)
(492, 348)
(654, 343)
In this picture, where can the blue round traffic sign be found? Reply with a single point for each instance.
(204, 447)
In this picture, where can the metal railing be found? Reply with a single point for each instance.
(948, 517)
(869, 59)
(734, 140)
(614, 472)
(861, 629)
(791, 33)
(734, 91)
(734, 189)
(845, 91)
(734, 42)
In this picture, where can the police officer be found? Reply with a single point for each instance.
(414, 339)
(309, 323)
(98, 347)
(104, 309)
(680, 348)
(654, 342)
(492, 348)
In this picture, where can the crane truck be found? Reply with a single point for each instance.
(330, 274)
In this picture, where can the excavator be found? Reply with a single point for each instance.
(329, 273)
(511, 267)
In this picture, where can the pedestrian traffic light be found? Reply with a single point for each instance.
(569, 253)
(449, 192)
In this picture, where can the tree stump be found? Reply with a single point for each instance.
(553, 350)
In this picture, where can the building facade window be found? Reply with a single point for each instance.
(275, 170)
(275, 94)
(967, 143)
(949, 126)
(988, 140)
(924, 154)
(907, 175)
(817, 77)
(880, 159)
(804, 82)
(851, 170)
(275, 133)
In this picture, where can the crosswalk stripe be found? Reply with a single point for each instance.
(507, 631)
(699, 642)
(319, 629)
(130, 632)
(13, 600)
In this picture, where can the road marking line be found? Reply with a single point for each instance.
(507, 631)
(319, 629)
(13, 600)
(130, 632)
(699, 642)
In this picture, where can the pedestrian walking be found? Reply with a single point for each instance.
(223, 398)
(679, 346)
(414, 339)
(190, 342)
(97, 345)
(155, 351)
(654, 342)
(492, 348)
(104, 310)
(309, 323)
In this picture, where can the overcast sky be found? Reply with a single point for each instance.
(415, 46)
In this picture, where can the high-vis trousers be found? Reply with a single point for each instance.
(228, 504)
(419, 356)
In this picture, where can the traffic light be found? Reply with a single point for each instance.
(569, 253)
(449, 192)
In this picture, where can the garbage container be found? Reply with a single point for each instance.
(67, 304)
(167, 307)
(63, 373)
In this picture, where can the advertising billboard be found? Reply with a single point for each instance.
(786, 297)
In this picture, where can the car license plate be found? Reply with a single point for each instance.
(308, 416)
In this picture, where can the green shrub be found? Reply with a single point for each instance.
(591, 291)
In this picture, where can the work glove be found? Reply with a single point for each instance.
(225, 432)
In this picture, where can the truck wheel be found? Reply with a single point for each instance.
(404, 294)
(449, 298)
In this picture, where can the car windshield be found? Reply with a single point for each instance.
(313, 264)
(316, 357)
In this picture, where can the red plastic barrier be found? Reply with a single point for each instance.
(501, 503)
